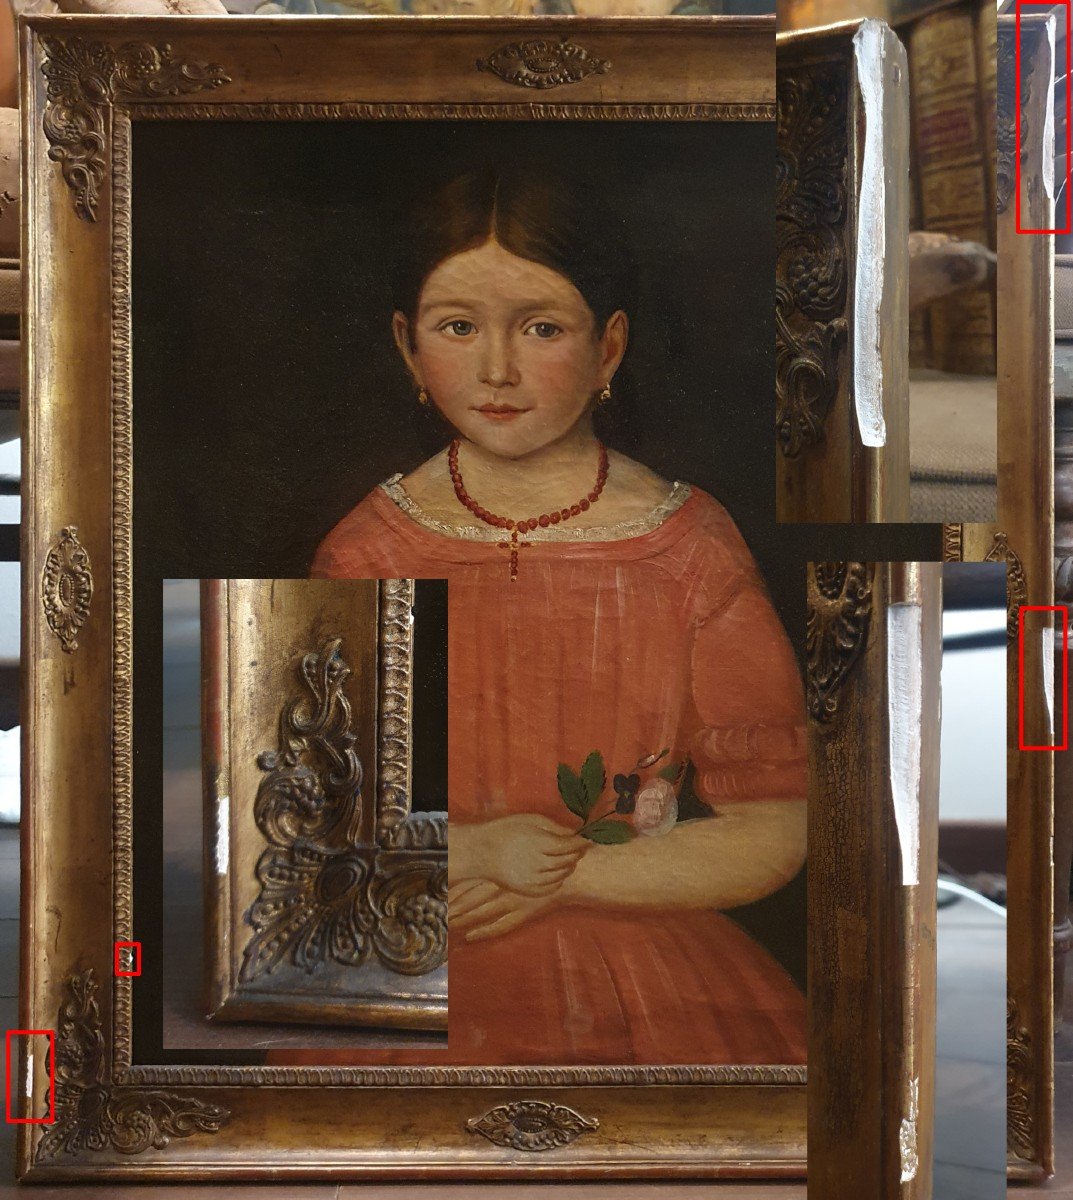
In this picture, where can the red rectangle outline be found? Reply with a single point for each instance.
(51, 1035)
(1050, 4)
(117, 946)
(1058, 608)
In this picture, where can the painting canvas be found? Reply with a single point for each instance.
(534, 362)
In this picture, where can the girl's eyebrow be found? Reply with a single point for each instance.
(455, 304)
(545, 304)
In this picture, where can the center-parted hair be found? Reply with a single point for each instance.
(538, 215)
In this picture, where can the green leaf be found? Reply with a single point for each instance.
(672, 772)
(572, 791)
(609, 832)
(593, 778)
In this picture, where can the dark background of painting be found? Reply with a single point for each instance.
(269, 397)
(428, 756)
(262, 341)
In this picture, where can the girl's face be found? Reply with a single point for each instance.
(508, 349)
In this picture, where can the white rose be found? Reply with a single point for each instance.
(656, 810)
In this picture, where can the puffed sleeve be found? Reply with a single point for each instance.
(329, 562)
(748, 698)
(360, 546)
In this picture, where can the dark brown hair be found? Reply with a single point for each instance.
(535, 214)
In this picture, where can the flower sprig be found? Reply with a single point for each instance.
(646, 808)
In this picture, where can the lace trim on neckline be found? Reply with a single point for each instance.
(621, 531)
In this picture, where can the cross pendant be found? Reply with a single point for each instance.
(514, 545)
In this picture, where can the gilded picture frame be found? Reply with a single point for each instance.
(86, 82)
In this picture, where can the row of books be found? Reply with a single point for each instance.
(952, 69)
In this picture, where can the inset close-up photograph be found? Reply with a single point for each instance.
(293, 797)
(894, 189)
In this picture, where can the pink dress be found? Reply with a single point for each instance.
(652, 634)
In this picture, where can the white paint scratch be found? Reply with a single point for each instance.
(870, 55)
(907, 1135)
(1048, 677)
(905, 701)
(1048, 116)
(223, 833)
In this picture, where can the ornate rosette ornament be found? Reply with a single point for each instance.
(84, 79)
(543, 63)
(326, 897)
(532, 1125)
(839, 615)
(810, 274)
(67, 588)
(1016, 583)
(91, 1113)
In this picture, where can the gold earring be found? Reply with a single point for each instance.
(605, 395)
(422, 397)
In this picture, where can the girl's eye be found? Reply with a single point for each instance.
(459, 328)
(544, 329)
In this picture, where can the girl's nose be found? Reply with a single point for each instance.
(498, 367)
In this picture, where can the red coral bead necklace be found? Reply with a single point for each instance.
(520, 527)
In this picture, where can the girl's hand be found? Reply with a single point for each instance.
(479, 909)
(528, 854)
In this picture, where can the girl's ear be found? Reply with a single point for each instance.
(400, 328)
(613, 343)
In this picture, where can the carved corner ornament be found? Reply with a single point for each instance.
(324, 896)
(532, 1125)
(67, 588)
(838, 618)
(810, 274)
(543, 63)
(1020, 1139)
(84, 79)
(95, 1115)
(1016, 583)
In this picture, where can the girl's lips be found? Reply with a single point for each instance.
(500, 412)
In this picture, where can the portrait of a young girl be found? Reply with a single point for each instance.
(533, 358)
(626, 752)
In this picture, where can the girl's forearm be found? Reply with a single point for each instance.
(464, 855)
(746, 852)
